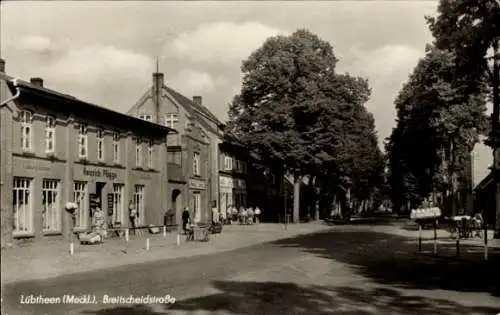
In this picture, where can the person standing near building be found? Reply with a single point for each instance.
(185, 218)
(257, 214)
(250, 214)
(132, 211)
(215, 215)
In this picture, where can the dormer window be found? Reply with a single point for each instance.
(146, 117)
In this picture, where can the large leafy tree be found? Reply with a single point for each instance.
(438, 123)
(471, 30)
(295, 111)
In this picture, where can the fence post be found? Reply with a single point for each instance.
(419, 237)
(485, 242)
(435, 236)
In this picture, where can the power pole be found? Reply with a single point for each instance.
(495, 132)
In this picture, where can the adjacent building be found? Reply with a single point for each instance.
(56, 148)
(193, 153)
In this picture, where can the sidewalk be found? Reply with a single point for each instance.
(52, 259)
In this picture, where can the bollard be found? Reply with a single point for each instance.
(435, 237)
(458, 244)
(147, 244)
(71, 248)
(178, 239)
(127, 235)
(485, 242)
(164, 231)
(419, 237)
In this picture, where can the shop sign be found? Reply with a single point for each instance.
(100, 173)
(36, 167)
(196, 184)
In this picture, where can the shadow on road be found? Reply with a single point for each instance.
(288, 298)
(391, 259)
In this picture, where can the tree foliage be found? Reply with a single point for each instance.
(435, 112)
(295, 110)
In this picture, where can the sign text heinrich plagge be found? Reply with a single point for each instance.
(100, 173)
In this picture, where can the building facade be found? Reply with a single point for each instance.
(56, 149)
(192, 152)
(233, 173)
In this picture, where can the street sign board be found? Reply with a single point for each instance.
(425, 213)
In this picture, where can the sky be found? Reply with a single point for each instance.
(105, 52)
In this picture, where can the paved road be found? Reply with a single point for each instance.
(352, 270)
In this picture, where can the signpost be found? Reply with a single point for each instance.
(423, 215)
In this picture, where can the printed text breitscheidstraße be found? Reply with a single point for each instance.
(93, 299)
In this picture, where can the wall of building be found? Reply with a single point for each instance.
(63, 167)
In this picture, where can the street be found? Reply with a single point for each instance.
(354, 269)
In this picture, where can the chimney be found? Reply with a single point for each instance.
(197, 100)
(2, 65)
(158, 83)
(37, 82)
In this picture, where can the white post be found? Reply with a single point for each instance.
(178, 239)
(127, 237)
(164, 231)
(71, 248)
(147, 244)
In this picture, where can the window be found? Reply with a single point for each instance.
(82, 141)
(138, 152)
(50, 134)
(80, 196)
(100, 145)
(196, 163)
(174, 157)
(146, 117)
(118, 203)
(228, 163)
(139, 203)
(150, 154)
(23, 205)
(51, 210)
(116, 148)
(238, 165)
(171, 120)
(26, 130)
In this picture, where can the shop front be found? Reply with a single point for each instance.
(198, 200)
(226, 186)
(99, 186)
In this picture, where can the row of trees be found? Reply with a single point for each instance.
(305, 119)
(441, 110)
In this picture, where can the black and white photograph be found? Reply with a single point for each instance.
(250, 157)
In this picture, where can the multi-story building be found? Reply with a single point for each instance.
(56, 149)
(192, 153)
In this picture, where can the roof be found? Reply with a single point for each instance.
(186, 102)
(88, 110)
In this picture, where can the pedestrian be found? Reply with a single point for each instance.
(215, 215)
(99, 224)
(250, 214)
(185, 218)
(243, 215)
(257, 214)
(132, 212)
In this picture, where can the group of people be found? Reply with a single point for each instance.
(242, 215)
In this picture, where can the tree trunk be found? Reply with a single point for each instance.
(296, 198)
(495, 131)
